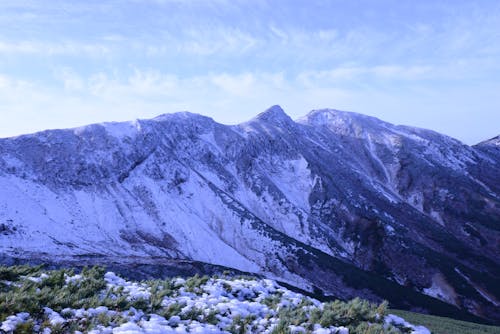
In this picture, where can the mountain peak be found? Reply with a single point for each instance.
(495, 141)
(179, 115)
(332, 116)
(274, 114)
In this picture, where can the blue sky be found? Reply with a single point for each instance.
(432, 64)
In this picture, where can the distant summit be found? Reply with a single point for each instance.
(274, 115)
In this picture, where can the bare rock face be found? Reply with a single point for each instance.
(336, 203)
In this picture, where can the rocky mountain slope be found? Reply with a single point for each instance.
(336, 203)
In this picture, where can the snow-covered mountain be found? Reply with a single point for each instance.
(337, 203)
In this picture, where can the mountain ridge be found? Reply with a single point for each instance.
(301, 119)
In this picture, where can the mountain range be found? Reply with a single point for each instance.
(335, 203)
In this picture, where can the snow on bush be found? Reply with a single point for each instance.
(98, 302)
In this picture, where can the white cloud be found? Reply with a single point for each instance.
(351, 73)
(239, 85)
(52, 48)
(212, 40)
(71, 80)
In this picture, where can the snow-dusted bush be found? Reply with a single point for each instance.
(60, 301)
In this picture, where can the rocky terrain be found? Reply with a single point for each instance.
(335, 203)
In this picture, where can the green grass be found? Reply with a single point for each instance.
(440, 325)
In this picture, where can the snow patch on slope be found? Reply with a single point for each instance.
(295, 182)
(121, 130)
(440, 289)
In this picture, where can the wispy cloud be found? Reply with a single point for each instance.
(70, 79)
(52, 48)
(350, 73)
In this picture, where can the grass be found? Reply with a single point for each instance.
(441, 325)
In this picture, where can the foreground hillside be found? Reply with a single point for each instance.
(35, 300)
(337, 203)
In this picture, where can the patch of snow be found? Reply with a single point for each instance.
(437, 217)
(10, 323)
(72, 279)
(389, 229)
(37, 279)
(295, 182)
(12, 161)
(398, 321)
(391, 196)
(134, 290)
(54, 317)
(120, 130)
(417, 201)
(440, 289)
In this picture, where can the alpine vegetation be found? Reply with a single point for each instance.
(95, 301)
